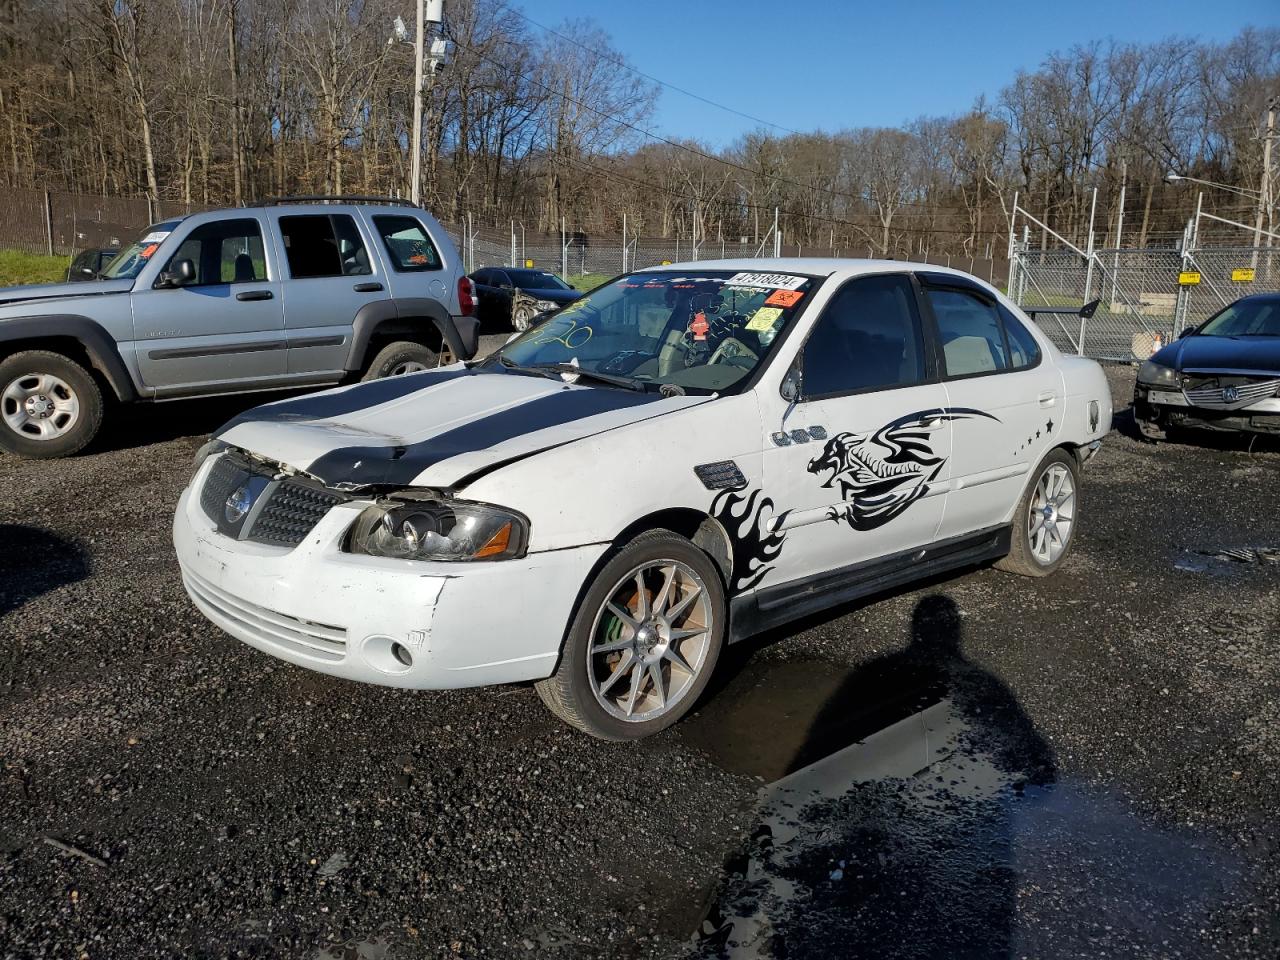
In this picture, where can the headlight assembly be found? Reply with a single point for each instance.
(435, 529)
(545, 306)
(1157, 375)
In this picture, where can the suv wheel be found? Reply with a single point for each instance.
(50, 406)
(643, 643)
(397, 359)
(1045, 520)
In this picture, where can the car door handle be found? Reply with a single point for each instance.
(1048, 399)
(255, 295)
(367, 287)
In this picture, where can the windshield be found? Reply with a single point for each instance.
(1245, 318)
(703, 331)
(536, 280)
(128, 263)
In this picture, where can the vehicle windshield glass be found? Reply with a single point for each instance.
(702, 330)
(128, 263)
(1245, 318)
(536, 280)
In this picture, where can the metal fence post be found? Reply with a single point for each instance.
(48, 221)
(564, 250)
(513, 244)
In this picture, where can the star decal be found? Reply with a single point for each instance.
(1048, 427)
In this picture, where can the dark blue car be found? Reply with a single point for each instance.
(1221, 375)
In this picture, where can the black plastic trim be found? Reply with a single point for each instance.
(188, 353)
(104, 353)
(773, 606)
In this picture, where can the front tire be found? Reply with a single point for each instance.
(399, 358)
(1045, 520)
(50, 406)
(643, 642)
(522, 316)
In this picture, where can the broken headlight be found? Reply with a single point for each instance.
(1157, 375)
(439, 530)
(210, 449)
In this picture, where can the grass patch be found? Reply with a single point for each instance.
(588, 281)
(17, 267)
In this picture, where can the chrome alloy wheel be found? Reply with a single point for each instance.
(1052, 514)
(522, 318)
(650, 640)
(409, 366)
(39, 406)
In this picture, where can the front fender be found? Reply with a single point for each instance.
(100, 346)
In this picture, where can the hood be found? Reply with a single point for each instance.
(435, 429)
(1253, 354)
(63, 291)
(555, 294)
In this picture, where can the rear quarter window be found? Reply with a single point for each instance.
(409, 247)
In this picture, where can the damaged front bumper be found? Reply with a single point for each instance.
(1156, 409)
(400, 623)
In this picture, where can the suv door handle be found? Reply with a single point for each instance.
(1048, 399)
(367, 287)
(254, 295)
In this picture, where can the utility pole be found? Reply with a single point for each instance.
(1264, 194)
(429, 12)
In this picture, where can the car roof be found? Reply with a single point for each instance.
(813, 266)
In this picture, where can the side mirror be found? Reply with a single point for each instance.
(792, 382)
(87, 272)
(1187, 332)
(180, 272)
(573, 286)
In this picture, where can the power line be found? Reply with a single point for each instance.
(648, 76)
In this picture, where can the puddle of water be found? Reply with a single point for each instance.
(1226, 559)
(916, 841)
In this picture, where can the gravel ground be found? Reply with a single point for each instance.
(1109, 789)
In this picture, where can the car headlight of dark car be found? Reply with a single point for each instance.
(1157, 375)
(439, 529)
(544, 306)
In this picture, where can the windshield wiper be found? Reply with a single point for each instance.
(613, 379)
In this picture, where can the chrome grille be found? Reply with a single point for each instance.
(291, 512)
(1213, 393)
(285, 510)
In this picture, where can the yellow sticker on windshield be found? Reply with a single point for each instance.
(764, 319)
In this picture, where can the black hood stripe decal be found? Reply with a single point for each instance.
(400, 465)
(321, 406)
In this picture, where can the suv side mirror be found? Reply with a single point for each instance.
(792, 382)
(180, 272)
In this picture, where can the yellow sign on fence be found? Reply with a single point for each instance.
(1242, 274)
(1188, 278)
(528, 264)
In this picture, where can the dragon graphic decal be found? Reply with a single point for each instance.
(746, 518)
(880, 474)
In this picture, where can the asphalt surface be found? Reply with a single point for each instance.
(983, 767)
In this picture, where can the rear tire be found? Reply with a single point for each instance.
(399, 358)
(50, 406)
(617, 682)
(1046, 518)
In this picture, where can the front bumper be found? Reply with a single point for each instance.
(1155, 409)
(361, 617)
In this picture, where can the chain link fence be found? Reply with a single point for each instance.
(1145, 299)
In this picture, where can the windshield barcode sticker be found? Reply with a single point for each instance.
(776, 281)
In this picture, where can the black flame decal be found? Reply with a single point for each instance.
(746, 519)
(880, 474)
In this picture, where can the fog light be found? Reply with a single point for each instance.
(386, 654)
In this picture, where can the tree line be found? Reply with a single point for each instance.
(208, 102)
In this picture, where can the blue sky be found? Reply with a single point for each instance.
(807, 64)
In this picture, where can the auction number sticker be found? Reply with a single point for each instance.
(777, 281)
(155, 236)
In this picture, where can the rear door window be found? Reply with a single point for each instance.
(407, 244)
(972, 336)
(323, 245)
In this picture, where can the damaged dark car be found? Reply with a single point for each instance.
(1222, 375)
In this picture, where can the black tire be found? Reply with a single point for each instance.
(76, 385)
(1022, 558)
(568, 693)
(391, 360)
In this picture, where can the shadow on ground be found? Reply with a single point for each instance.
(35, 561)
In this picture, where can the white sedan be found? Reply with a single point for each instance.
(682, 458)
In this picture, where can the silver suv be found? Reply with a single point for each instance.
(304, 291)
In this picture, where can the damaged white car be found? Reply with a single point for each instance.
(682, 458)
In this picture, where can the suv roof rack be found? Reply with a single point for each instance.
(333, 198)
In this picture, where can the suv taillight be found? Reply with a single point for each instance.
(466, 296)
